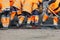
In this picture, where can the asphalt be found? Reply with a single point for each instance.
(30, 34)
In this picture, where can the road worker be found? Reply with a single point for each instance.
(37, 6)
(53, 8)
(5, 13)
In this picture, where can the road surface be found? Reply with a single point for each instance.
(30, 34)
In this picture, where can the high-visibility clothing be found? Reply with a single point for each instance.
(13, 9)
(54, 5)
(5, 4)
(19, 5)
(36, 3)
(27, 6)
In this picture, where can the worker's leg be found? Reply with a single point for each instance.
(55, 20)
(3, 20)
(21, 19)
(29, 19)
(45, 17)
(36, 19)
(12, 15)
(7, 21)
(33, 18)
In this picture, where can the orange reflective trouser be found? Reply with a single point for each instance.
(45, 17)
(5, 21)
(12, 15)
(55, 20)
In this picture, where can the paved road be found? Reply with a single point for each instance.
(30, 34)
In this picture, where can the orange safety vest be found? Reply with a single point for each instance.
(27, 6)
(0, 7)
(54, 5)
(5, 4)
(19, 5)
(35, 4)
